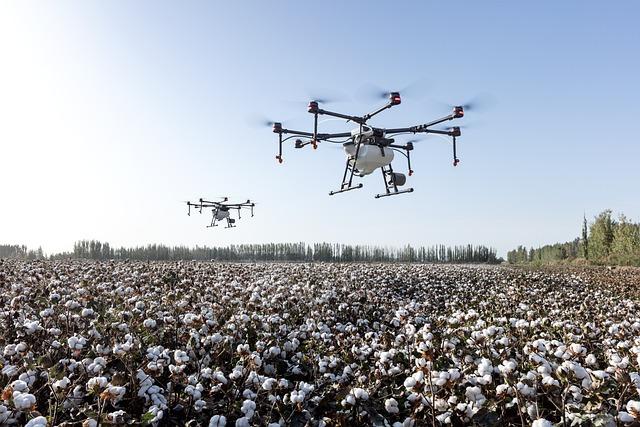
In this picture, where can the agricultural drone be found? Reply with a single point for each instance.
(368, 148)
(221, 210)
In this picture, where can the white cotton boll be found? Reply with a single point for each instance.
(199, 405)
(96, 383)
(549, 381)
(32, 327)
(350, 399)
(248, 408)
(601, 375)
(116, 393)
(9, 350)
(180, 356)
(30, 376)
(23, 400)
(507, 367)
(360, 393)
(625, 417)
(391, 405)
(19, 385)
(532, 410)
(149, 323)
(274, 351)
(269, 383)
(541, 422)
(9, 370)
(218, 421)
(485, 367)
(633, 406)
(440, 382)
(504, 341)
(61, 384)
(297, 396)
(577, 349)
(87, 312)
(502, 389)
(444, 418)
(76, 342)
(409, 383)
(591, 360)
(21, 347)
(242, 422)
(37, 422)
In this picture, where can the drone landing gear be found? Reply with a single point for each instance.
(391, 186)
(349, 170)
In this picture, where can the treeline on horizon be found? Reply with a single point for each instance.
(301, 252)
(605, 241)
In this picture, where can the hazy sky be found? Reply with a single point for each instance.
(112, 113)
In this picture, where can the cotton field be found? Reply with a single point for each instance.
(88, 343)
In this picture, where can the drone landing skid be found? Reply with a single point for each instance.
(394, 193)
(342, 190)
(347, 177)
(390, 184)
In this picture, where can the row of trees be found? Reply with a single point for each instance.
(324, 252)
(20, 251)
(605, 241)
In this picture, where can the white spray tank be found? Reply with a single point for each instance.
(370, 157)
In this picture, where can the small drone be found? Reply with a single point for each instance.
(221, 210)
(369, 148)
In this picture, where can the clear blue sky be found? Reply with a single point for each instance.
(112, 113)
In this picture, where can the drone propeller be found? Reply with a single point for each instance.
(325, 97)
(416, 89)
(477, 103)
(450, 128)
(262, 122)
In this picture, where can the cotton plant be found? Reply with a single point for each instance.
(409, 343)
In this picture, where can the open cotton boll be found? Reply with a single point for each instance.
(218, 421)
(37, 422)
(9, 370)
(541, 422)
(19, 385)
(248, 408)
(243, 422)
(633, 407)
(96, 383)
(297, 396)
(76, 342)
(391, 406)
(180, 356)
(23, 401)
(626, 417)
(149, 323)
(61, 384)
(31, 327)
(360, 393)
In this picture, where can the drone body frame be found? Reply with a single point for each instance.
(221, 210)
(366, 135)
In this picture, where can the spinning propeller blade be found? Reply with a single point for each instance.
(477, 103)
(416, 90)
